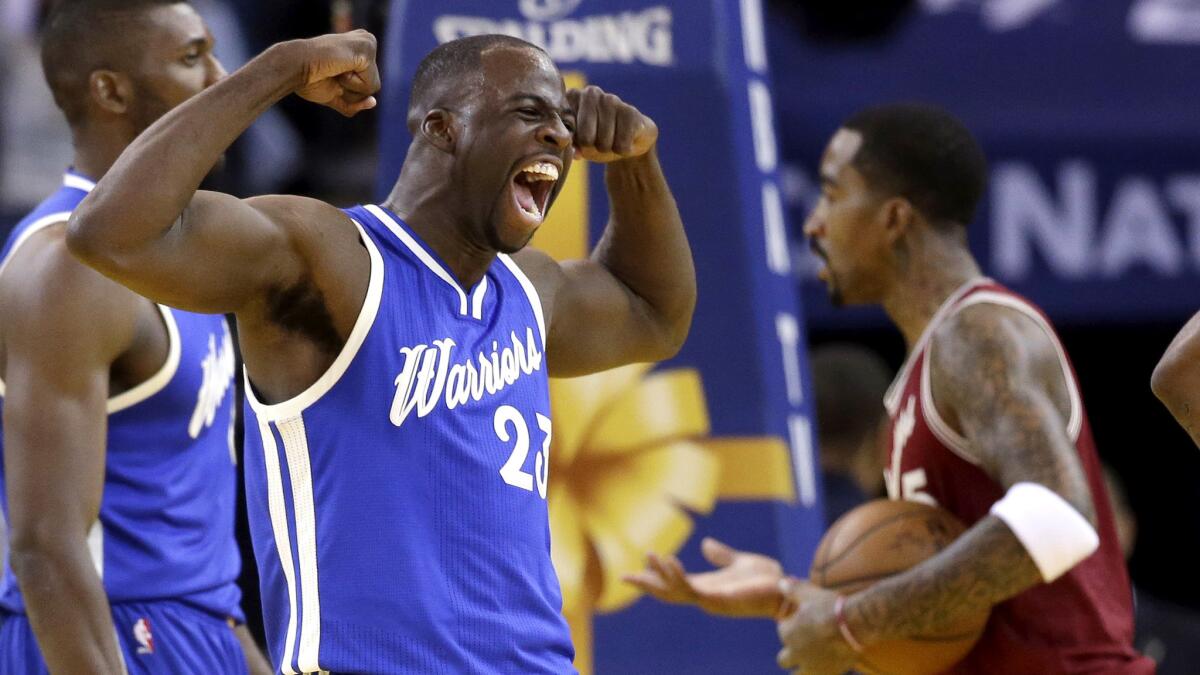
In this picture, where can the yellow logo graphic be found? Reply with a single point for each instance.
(631, 458)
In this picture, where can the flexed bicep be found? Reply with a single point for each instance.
(221, 252)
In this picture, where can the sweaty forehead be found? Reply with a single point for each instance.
(508, 70)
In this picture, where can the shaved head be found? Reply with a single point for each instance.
(454, 70)
(82, 36)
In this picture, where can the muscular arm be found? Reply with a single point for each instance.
(72, 324)
(1176, 378)
(996, 377)
(146, 225)
(632, 301)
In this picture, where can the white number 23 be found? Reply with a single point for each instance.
(512, 471)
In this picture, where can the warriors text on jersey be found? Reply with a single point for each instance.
(166, 524)
(1080, 623)
(398, 506)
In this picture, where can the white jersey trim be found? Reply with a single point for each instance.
(477, 299)
(958, 444)
(69, 180)
(95, 545)
(34, 227)
(362, 326)
(295, 448)
(535, 300)
(159, 380)
(476, 305)
(891, 399)
(954, 440)
(283, 541)
(78, 182)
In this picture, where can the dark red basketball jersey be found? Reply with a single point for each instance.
(1081, 623)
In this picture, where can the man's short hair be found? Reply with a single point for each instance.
(924, 154)
(81, 36)
(454, 61)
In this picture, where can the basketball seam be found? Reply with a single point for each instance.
(854, 544)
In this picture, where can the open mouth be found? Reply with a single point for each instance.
(531, 189)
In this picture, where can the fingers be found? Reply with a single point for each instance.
(587, 117)
(664, 578)
(648, 582)
(608, 128)
(716, 552)
(608, 109)
(786, 658)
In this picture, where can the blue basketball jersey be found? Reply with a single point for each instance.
(166, 525)
(398, 506)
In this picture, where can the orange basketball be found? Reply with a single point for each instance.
(879, 539)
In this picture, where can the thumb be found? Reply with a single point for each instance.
(716, 552)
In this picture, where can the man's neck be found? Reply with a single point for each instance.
(97, 149)
(936, 268)
(422, 204)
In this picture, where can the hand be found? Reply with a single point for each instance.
(747, 584)
(608, 129)
(339, 71)
(812, 643)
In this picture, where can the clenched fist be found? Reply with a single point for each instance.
(338, 70)
(608, 129)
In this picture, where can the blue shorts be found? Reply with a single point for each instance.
(156, 638)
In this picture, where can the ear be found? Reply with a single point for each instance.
(111, 91)
(438, 129)
(898, 216)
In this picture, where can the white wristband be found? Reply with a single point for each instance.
(1052, 531)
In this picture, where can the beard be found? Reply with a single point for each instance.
(491, 230)
(835, 294)
(149, 108)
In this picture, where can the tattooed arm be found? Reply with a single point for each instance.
(996, 378)
(1176, 379)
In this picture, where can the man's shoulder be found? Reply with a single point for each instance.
(996, 327)
(43, 286)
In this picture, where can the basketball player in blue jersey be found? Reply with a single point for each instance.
(397, 354)
(117, 413)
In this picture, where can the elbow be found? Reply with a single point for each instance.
(675, 330)
(34, 549)
(1166, 379)
(80, 240)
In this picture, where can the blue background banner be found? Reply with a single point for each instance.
(1087, 114)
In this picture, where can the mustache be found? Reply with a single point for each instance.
(815, 246)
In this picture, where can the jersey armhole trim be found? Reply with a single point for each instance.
(535, 301)
(1075, 417)
(34, 227)
(933, 419)
(362, 326)
(149, 387)
(158, 381)
(891, 398)
(955, 441)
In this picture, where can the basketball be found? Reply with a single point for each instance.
(882, 538)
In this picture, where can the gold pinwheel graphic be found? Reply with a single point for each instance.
(631, 460)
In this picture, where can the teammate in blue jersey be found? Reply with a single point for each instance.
(397, 354)
(119, 480)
